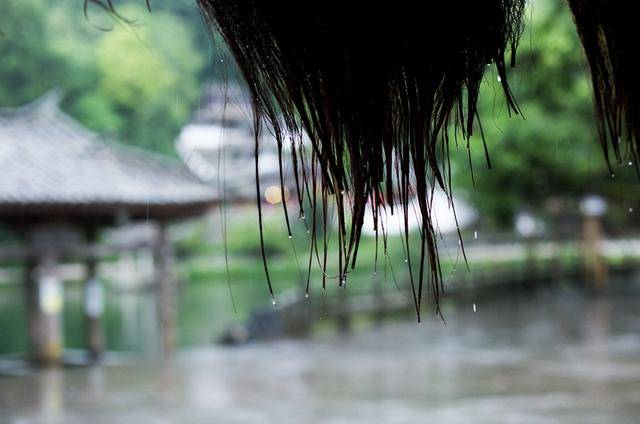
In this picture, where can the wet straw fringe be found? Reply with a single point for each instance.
(377, 89)
(609, 37)
(381, 88)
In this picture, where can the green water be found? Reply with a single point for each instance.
(130, 317)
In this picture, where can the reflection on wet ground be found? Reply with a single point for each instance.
(561, 356)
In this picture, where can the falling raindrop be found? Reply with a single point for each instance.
(613, 175)
(630, 163)
(630, 209)
(306, 295)
(499, 79)
(273, 302)
(474, 307)
(475, 235)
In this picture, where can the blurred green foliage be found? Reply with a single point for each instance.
(135, 79)
(29, 65)
(549, 157)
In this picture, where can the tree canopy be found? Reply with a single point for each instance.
(135, 80)
(551, 152)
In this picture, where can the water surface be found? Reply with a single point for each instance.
(556, 356)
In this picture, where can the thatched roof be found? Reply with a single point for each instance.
(377, 88)
(608, 33)
(53, 167)
(381, 89)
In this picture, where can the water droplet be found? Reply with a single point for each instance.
(474, 307)
(630, 163)
(306, 295)
(406, 260)
(475, 235)
(307, 231)
(613, 175)
(499, 79)
(273, 302)
(375, 273)
(290, 237)
(221, 60)
(630, 209)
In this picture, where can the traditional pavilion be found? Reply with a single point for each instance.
(61, 184)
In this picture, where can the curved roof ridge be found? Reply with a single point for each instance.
(50, 161)
(49, 101)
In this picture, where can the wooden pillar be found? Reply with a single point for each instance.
(593, 209)
(595, 264)
(165, 288)
(44, 307)
(93, 309)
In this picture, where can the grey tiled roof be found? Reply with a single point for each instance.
(49, 162)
